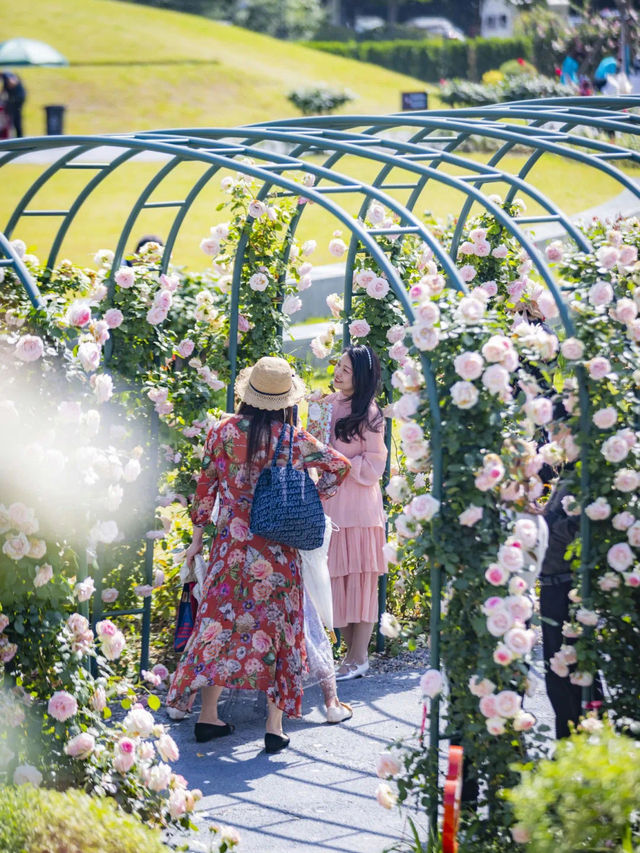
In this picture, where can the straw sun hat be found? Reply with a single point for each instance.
(270, 384)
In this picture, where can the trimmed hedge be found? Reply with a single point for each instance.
(432, 60)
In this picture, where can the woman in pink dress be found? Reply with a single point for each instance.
(356, 551)
(249, 628)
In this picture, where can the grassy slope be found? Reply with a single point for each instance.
(247, 81)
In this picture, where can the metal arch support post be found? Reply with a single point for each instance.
(18, 265)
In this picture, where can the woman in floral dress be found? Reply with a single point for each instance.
(249, 630)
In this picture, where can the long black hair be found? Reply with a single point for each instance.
(260, 421)
(366, 384)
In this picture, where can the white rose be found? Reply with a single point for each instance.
(496, 379)
(598, 510)
(424, 507)
(464, 394)
(508, 703)
(626, 480)
(526, 531)
(16, 546)
(468, 365)
(572, 349)
(615, 449)
(470, 515)
(389, 625)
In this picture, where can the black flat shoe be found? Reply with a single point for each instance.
(209, 731)
(274, 743)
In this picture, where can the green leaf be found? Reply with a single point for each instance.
(153, 702)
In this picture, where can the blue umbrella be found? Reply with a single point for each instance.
(21, 51)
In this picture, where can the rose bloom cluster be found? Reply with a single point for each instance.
(110, 638)
(18, 524)
(501, 708)
(137, 746)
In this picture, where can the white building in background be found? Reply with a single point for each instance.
(497, 17)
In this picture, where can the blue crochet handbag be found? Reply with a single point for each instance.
(286, 506)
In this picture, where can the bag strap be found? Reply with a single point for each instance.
(278, 446)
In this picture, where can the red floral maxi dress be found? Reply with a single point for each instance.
(249, 629)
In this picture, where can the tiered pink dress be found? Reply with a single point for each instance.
(355, 554)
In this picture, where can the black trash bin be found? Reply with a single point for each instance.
(55, 119)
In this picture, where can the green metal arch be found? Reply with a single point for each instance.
(359, 136)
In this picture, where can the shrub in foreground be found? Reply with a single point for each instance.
(35, 820)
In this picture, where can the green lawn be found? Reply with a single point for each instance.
(245, 78)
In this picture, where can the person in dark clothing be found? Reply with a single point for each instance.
(556, 581)
(14, 95)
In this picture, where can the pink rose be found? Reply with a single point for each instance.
(481, 687)
(470, 309)
(632, 579)
(29, 348)
(601, 293)
(125, 277)
(167, 748)
(359, 329)
(78, 313)
(507, 703)
(598, 367)
(572, 349)
(470, 516)
(500, 251)
(519, 640)
(615, 449)
(620, 556)
(502, 655)
(427, 313)
(406, 406)
(498, 622)
(482, 248)
(431, 683)
(625, 311)
(598, 510)
(106, 628)
(185, 348)
(607, 257)
(62, 705)
(80, 746)
(387, 765)
(626, 480)
(337, 247)
(496, 574)
(464, 395)
(523, 722)
(109, 595)
(378, 288)
(424, 507)
(468, 365)
(398, 352)
(511, 557)
(487, 705)
(623, 520)
(424, 337)
(495, 726)
(605, 418)
(467, 248)
(395, 334)
(525, 531)
(554, 251)
(520, 607)
(385, 796)
(540, 410)
(496, 348)
(467, 273)
(496, 379)
(633, 534)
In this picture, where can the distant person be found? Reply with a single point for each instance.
(13, 95)
(608, 65)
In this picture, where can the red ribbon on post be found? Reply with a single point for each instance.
(452, 797)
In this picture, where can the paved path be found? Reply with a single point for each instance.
(319, 794)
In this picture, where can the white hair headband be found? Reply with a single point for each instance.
(368, 351)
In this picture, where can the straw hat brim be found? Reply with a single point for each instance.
(271, 402)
